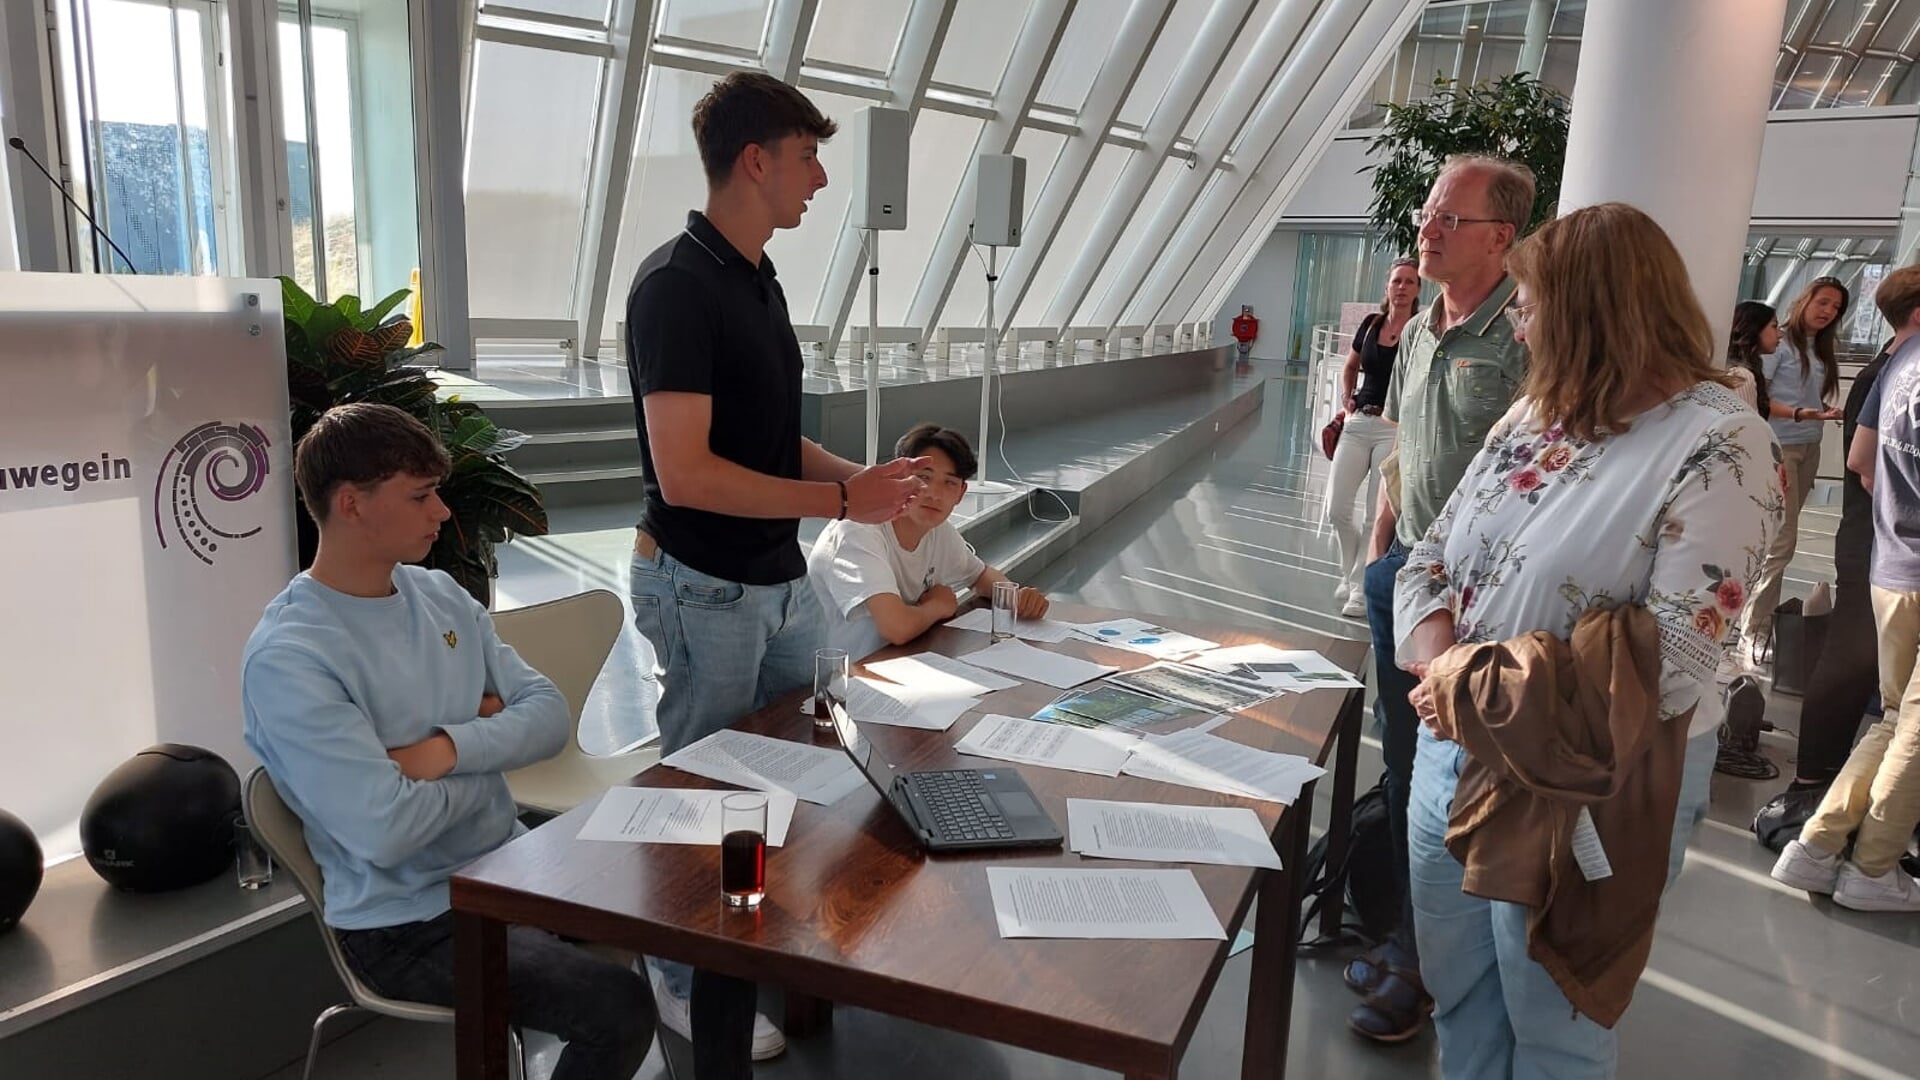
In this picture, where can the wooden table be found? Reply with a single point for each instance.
(856, 913)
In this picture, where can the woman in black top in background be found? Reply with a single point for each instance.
(1367, 437)
(1756, 333)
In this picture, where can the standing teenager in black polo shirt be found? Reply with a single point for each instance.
(719, 582)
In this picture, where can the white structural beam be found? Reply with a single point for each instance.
(263, 187)
(610, 167)
(1032, 52)
(1279, 48)
(442, 36)
(1205, 60)
(1229, 227)
(41, 224)
(920, 42)
(1139, 29)
(789, 23)
(1332, 27)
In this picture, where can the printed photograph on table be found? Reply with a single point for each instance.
(1106, 705)
(1137, 635)
(1289, 670)
(1191, 686)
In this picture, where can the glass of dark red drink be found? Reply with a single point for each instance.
(743, 848)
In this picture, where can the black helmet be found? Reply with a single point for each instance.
(20, 869)
(163, 820)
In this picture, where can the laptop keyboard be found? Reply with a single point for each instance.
(960, 807)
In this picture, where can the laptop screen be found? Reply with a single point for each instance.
(878, 772)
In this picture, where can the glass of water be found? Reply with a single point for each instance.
(252, 866)
(829, 685)
(1006, 607)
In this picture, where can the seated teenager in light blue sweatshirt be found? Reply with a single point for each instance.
(386, 710)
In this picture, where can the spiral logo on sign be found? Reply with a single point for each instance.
(227, 462)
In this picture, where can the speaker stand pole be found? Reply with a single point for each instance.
(873, 346)
(988, 347)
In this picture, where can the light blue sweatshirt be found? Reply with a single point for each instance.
(1791, 387)
(331, 682)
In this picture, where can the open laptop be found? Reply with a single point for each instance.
(953, 809)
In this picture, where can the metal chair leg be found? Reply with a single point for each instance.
(516, 1055)
(319, 1023)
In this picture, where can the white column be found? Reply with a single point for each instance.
(1676, 131)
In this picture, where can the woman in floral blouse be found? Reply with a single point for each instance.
(1627, 473)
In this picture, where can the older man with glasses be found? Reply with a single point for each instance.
(1459, 368)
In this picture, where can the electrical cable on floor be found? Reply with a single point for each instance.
(1000, 413)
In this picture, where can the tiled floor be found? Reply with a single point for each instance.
(1746, 979)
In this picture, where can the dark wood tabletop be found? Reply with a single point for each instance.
(855, 912)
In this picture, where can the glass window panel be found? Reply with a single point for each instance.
(739, 24)
(1863, 86)
(1071, 237)
(577, 9)
(1127, 248)
(1843, 17)
(942, 153)
(528, 142)
(1562, 63)
(386, 204)
(857, 33)
(333, 114)
(665, 181)
(979, 43)
(1176, 37)
(1231, 68)
(1896, 22)
(967, 304)
(1082, 50)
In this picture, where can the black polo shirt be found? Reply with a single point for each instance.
(701, 319)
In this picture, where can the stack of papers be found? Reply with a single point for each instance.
(675, 816)
(1193, 686)
(932, 673)
(1289, 670)
(1023, 661)
(871, 701)
(1153, 832)
(815, 774)
(1055, 746)
(1200, 760)
(980, 621)
(1154, 904)
(1141, 636)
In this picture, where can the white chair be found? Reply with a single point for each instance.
(568, 641)
(285, 838)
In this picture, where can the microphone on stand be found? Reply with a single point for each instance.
(17, 144)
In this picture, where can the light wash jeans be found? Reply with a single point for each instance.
(720, 651)
(1498, 1013)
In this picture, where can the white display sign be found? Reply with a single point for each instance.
(146, 518)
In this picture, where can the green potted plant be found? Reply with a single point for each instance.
(338, 353)
(1517, 117)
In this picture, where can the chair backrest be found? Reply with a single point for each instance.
(567, 640)
(285, 838)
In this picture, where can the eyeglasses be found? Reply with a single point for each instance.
(1449, 222)
(1520, 315)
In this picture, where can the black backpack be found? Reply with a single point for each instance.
(1373, 889)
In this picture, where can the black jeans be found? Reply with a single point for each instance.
(603, 1010)
(1398, 725)
(1845, 682)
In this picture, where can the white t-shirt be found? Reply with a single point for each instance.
(851, 562)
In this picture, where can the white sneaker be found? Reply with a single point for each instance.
(1803, 867)
(1356, 608)
(1895, 890)
(1341, 592)
(768, 1042)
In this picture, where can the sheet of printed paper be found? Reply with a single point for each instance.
(1128, 903)
(872, 701)
(638, 815)
(980, 620)
(1202, 760)
(1141, 636)
(1158, 832)
(1023, 661)
(932, 673)
(1290, 670)
(1201, 689)
(1055, 746)
(816, 774)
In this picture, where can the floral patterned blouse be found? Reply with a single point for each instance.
(1675, 513)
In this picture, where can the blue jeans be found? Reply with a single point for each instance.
(720, 649)
(1397, 724)
(1498, 1013)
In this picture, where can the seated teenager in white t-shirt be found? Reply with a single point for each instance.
(889, 583)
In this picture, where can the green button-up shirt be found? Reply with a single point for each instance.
(1448, 389)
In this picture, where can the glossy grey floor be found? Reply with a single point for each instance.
(1747, 978)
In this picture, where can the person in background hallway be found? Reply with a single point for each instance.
(1878, 789)
(1756, 334)
(1367, 437)
(1802, 375)
(1627, 473)
(718, 581)
(1457, 370)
